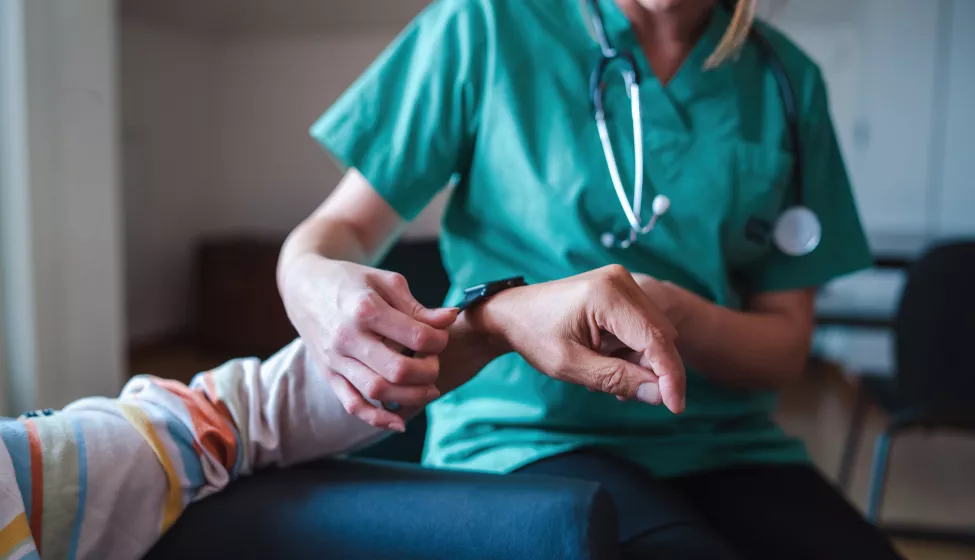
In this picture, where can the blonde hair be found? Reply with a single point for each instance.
(731, 42)
(736, 35)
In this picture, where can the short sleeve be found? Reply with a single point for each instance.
(408, 123)
(827, 192)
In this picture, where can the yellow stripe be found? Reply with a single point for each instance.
(14, 534)
(174, 500)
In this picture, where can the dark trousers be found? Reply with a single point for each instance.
(748, 513)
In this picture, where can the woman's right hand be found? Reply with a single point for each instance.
(352, 318)
(598, 329)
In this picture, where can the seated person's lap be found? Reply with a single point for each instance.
(756, 512)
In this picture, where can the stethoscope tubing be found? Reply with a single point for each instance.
(610, 55)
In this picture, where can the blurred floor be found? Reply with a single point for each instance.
(931, 475)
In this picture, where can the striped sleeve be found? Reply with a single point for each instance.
(105, 478)
(101, 479)
(16, 540)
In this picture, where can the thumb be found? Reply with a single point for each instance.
(439, 318)
(396, 291)
(673, 386)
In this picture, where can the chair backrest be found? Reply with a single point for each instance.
(935, 330)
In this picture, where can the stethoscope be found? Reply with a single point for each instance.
(796, 232)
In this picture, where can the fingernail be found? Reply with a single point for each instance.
(433, 394)
(649, 393)
(683, 402)
(397, 427)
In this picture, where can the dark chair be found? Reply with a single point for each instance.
(934, 383)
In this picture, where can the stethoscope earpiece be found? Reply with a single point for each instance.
(659, 207)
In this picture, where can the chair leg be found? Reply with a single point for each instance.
(878, 476)
(853, 436)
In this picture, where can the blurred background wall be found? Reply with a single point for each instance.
(216, 108)
(60, 232)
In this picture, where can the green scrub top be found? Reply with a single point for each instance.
(493, 96)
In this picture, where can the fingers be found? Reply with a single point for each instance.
(673, 390)
(407, 331)
(371, 386)
(357, 406)
(390, 365)
(371, 313)
(612, 375)
(394, 289)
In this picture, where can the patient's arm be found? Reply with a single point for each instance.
(105, 478)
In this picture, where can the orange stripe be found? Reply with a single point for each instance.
(37, 482)
(212, 423)
(211, 395)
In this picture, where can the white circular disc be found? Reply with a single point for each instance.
(797, 231)
(608, 240)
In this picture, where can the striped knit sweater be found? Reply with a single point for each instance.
(105, 478)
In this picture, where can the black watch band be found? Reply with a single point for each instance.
(476, 294)
(472, 296)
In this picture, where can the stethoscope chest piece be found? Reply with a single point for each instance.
(797, 231)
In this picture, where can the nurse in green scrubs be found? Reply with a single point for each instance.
(493, 98)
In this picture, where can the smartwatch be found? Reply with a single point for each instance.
(477, 294)
(472, 297)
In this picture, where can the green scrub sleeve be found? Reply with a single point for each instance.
(408, 122)
(827, 191)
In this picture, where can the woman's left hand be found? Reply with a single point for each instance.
(676, 302)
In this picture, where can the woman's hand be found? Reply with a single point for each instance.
(561, 329)
(354, 319)
(763, 346)
(675, 302)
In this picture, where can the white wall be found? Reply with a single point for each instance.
(272, 174)
(59, 213)
(169, 149)
(957, 210)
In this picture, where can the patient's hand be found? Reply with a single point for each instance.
(597, 329)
